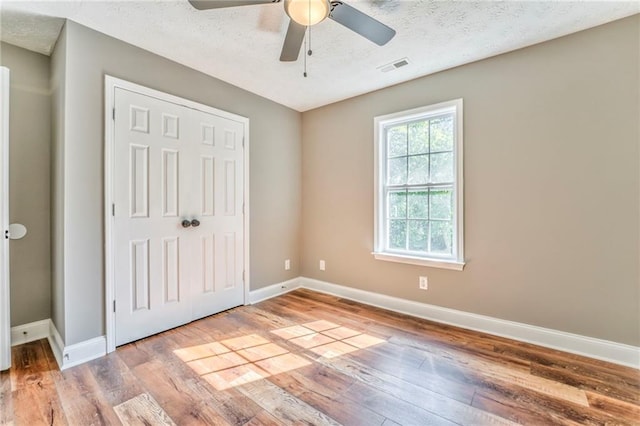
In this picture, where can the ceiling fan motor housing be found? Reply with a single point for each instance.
(307, 12)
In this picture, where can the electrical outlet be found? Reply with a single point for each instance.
(322, 265)
(287, 265)
(423, 283)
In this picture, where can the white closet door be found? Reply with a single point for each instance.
(217, 282)
(151, 258)
(178, 225)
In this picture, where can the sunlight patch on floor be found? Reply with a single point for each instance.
(245, 359)
(201, 351)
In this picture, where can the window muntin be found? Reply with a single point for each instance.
(418, 178)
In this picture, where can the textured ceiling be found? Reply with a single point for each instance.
(242, 45)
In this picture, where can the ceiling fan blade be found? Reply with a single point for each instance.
(292, 42)
(218, 4)
(361, 23)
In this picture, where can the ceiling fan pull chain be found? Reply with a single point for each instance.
(305, 57)
(309, 52)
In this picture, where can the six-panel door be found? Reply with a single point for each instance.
(175, 168)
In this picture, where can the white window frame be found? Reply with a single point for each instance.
(456, 261)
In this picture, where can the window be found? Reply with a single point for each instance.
(419, 215)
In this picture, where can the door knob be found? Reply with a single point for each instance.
(186, 223)
(195, 222)
(17, 231)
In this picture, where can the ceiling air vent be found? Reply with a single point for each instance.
(394, 65)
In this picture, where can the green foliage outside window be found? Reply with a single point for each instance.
(420, 182)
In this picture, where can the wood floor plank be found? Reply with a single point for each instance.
(116, 381)
(283, 405)
(167, 386)
(142, 410)
(263, 419)
(545, 408)
(231, 405)
(615, 407)
(133, 354)
(445, 359)
(317, 359)
(391, 407)
(579, 364)
(319, 378)
(321, 387)
(33, 385)
(342, 410)
(419, 376)
(171, 385)
(516, 412)
(603, 387)
(82, 399)
(6, 401)
(43, 406)
(496, 372)
(433, 402)
(29, 365)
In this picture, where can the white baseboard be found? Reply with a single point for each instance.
(274, 290)
(582, 345)
(56, 343)
(29, 332)
(72, 355)
(84, 351)
(66, 356)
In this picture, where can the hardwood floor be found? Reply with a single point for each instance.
(309, 358)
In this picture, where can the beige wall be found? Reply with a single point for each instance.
(275, 186)
(30, 115)
(551, 144)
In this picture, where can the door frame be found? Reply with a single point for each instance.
(5, 292)
(110, 86)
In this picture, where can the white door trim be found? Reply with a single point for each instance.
(5, 317)
(111, 83)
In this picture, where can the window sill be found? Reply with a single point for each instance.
(434, 263)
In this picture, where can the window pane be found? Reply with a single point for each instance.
(440, 203)
(442, 134)
(397, 205)
(419, 137)
(441, 237)
(418, 205)
(442, 167)
(397, 171)
(398, 234)
(418, 235)
(397, 140)
(418, 169)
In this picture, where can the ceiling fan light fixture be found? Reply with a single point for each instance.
(307, 12)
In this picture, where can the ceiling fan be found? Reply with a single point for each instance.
(305, 13)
